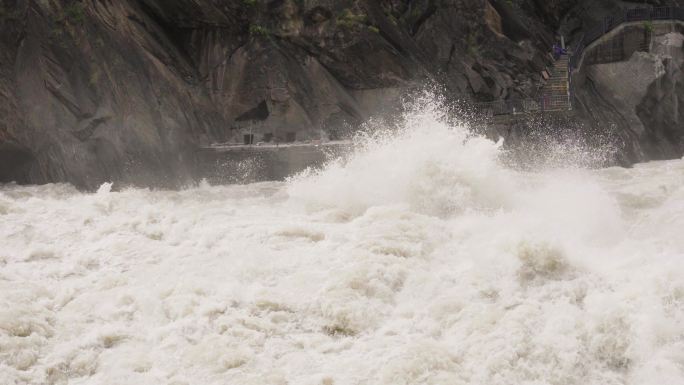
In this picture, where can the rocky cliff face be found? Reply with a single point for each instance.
(636, 99)
(126, 90)
(662, 109)
(639, 100)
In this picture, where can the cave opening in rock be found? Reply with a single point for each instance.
(14, 161)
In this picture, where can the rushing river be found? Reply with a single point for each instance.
(421, 260)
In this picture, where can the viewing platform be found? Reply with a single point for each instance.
(245, 163)
(273, 147)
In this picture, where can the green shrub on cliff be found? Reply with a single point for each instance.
(6, 15)
(415, 11)
(472, 44)
(74, 13)
(257, 30)
(94, 77)
(66, 23)
(648, 26)
(348, 19)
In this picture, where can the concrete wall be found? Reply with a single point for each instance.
(255, 164)
(636, 100)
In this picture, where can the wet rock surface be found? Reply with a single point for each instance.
(127, 91)
(637, 100)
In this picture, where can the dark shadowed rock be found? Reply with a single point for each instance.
(127, 91)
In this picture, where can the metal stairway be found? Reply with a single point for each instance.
(552, 96)
(555, 94)
(556, 91)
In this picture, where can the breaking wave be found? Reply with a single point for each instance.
(420, 259)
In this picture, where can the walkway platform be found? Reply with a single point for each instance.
(239, 163)
(272, 147)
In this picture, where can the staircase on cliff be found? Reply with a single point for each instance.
(598, 45)
(553, 96)
(556, 91)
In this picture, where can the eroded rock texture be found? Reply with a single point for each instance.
(638, 100)
(127, 90)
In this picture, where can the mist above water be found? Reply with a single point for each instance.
(421, 259)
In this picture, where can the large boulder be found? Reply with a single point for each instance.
(638, 100)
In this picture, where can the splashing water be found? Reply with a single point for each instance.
(420, 260)
(426, 166)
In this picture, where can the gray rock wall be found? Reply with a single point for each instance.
(97, 90)
(638, 100)
(126, 91)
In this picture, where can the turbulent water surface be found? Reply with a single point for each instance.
(422, 260)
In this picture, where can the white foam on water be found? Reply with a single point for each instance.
(421, 260)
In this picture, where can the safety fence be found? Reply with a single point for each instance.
(610, 23)
(609, 52)
(515, 106)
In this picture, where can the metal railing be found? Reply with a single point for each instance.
(515, 106)
(549, 102)
(610, 23)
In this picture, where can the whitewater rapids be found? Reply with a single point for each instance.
(421, 260)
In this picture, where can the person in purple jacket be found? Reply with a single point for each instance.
(558, 51)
